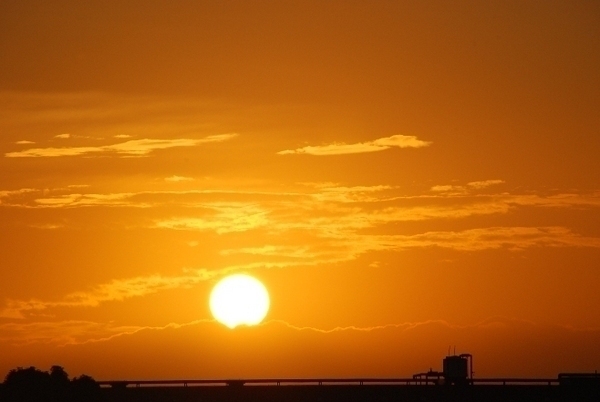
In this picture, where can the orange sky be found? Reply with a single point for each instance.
(402, 176)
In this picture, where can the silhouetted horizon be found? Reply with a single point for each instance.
(453, 383)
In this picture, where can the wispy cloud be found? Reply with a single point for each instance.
(445, 188)
(177, 179)
(141, 147)
(326, 223)
(48, 226)
(274, 251)
(512, 238)
(82, 200)
(417, 346)
(380, 144)
(24, 142)
(116, 290)
(323, 209)
(344, 194)
(8, 194)
(343, 244)
(59, 333)
(457, 189)
(484, 183)
(63, 136)
(121, 289)
(227, 219)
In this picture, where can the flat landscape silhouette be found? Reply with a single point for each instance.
(452, 384)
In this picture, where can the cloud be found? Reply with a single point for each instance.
(51, 152)
(346, 245)
(339, 206)
(59, 333)
(144, 199)
(325, 223)
(9, 194)
(397, 141)
(84, 200)
(121, 289)
(24, 142)
(447, 188)
(513, 238)
(177, 179)
(343, 194)
(274, 251)
(555, 201)
(227, 219)
(63, 136)
(141, 147)
(48, 226)
(484, 184)
(116, 290)
(330, 211)
(502, 347)
(474, 185)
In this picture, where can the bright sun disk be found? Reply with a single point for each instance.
(239, 299)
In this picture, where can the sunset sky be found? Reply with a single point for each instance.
(404, 177)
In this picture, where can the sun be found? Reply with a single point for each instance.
(239, 299)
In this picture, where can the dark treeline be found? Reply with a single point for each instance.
(33, 385)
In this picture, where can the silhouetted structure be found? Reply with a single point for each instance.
(457, 370)
(579, 379)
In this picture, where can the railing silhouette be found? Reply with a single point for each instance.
(321, 381)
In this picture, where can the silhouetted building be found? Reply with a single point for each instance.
(457, 369)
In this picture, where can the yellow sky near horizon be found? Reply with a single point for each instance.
(402, 177)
